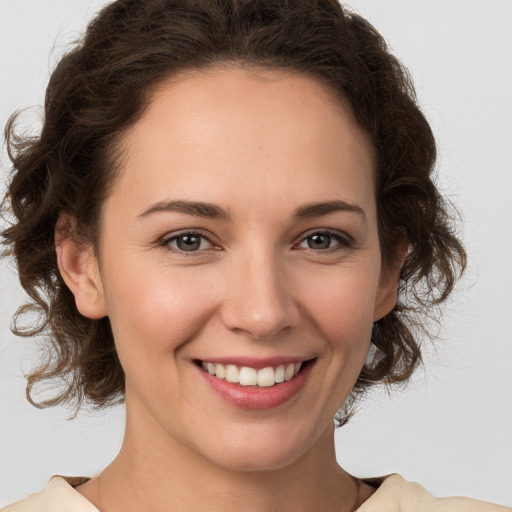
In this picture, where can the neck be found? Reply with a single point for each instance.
(152, 473)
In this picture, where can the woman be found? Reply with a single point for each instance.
(260, 175)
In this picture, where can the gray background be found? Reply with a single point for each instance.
(451, 428)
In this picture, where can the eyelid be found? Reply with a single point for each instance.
(165, 240)
(345, 240)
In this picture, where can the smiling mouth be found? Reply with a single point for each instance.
(247, 376)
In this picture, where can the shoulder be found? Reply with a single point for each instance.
(395, 494)
(58, 496)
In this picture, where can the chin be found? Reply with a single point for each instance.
(256, 449)
(253, 460)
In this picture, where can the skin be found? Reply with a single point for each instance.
(259, 144)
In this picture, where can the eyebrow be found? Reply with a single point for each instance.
(325, 208)
(196, 208)
(213, 211)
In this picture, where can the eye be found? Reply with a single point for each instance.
(324, 241)
(188, 242)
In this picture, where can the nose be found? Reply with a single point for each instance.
(259, 302)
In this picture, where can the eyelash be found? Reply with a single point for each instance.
(344, 242)
(166, 241)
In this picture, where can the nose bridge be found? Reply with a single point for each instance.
(260, 300)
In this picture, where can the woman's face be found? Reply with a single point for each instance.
(242, 233)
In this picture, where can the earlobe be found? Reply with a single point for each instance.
(387, 293)
(78, 267)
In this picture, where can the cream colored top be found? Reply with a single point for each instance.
(393, 495)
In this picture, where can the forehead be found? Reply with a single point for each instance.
(252, 130)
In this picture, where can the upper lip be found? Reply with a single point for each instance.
(256, 363)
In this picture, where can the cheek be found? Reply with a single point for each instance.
(342, 305)
(157, 311)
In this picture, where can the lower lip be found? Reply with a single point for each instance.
(257, 398)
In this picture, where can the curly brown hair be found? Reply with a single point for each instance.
(101, 87)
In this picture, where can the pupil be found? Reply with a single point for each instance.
(188, 242)
(319, 241)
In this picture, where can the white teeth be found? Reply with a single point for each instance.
(246, 376)
(220, 371)
(288, 372)
(266, 377)
(232, 373)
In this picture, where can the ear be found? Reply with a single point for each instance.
(79, 268)
(388, 284)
